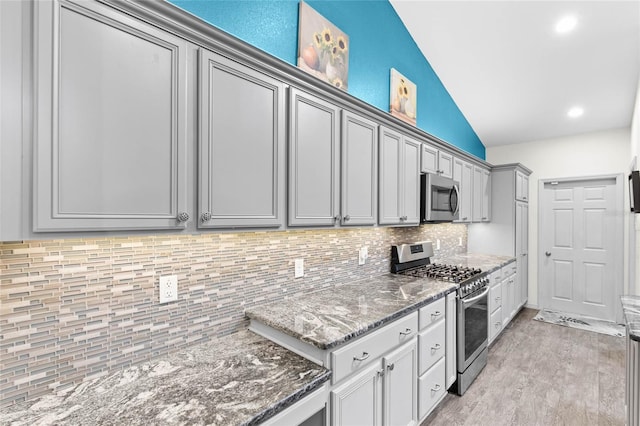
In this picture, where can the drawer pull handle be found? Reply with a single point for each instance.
(406, 332)
(436, 388)
(436, 347)
(498, 324)
(390, 366)
(498, 298)
(364, 356)
(436, 314)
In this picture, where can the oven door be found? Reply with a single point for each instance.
(472, 328)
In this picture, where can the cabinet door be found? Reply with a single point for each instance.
(486, 196)
(359, 170)
(111, 147)
(478, 194)
(359, 402)
(313, 161)
(400, 387)
(522, 251)
(429, 160)
(463, 174)
(390, 182)
(445, 164)
(242, 145)
(507, 299)
(411, 182)
(522, 186)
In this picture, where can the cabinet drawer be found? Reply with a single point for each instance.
(432, 313)
(495, 297)
(495, 324)
(431, 388)
(431, 344)
(367, 349)
(496, 276)
(509, 270)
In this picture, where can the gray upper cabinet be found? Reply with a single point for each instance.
(314, 159)
(399, 177)
(436, 161)
(359, 170)
(522, 186)
(481, 195)
(242, 146)
(110, 136)
(463, 174)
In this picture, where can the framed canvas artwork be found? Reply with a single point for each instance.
(323, 50)
(403, 98)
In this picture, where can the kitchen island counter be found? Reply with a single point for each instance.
(240, 379)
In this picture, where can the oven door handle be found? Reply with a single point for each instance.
(467, 302)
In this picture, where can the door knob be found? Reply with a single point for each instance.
(547, 253)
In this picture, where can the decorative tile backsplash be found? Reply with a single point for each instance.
(76, 309)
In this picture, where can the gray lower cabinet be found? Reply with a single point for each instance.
(242, 146)
(399, 177)
(359, 183)
(110, 150)
(314, 159)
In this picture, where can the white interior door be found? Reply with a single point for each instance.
(581, 235)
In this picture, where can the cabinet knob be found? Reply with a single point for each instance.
(436, 388)
(498, 324)
(547, 253)
(347, 217)
(364, 356)
(390, 367)
(436, 314)
(336, 218)
(205, 217)
(406, 332)
(435, 347)
(464, 218)
(183, 217)
(498, 298)
(484, 218)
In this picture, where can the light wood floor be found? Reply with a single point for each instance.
(543, 374)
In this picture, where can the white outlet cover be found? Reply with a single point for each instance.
(168, 288)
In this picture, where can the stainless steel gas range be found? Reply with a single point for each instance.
(472, 319)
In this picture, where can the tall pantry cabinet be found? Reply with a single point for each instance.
(508, 232)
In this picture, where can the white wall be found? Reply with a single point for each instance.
(588, 154)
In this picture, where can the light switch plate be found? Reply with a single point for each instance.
(363, 254)
(299, 268)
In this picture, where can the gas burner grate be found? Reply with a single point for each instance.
(443, 272)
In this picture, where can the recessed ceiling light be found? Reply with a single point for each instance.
(566, 24)
(575, 112)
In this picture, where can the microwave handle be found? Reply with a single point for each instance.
(455, 189)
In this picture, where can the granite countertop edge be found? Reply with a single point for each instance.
(631, 309)
(289, 400)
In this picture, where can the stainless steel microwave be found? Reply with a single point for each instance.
(439, 199)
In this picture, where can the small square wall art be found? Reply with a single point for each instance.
(323, 50)
(403, 98)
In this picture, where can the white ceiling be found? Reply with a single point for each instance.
(514, 78)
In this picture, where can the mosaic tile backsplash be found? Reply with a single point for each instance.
(76, 309)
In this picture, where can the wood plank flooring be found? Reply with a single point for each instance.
(543, 374)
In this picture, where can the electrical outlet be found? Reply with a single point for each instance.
(363, 255)
(438, 244)
(460, 241)
(168, 287)
(299, 268)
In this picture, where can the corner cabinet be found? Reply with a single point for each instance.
(242, 146)
(110, 136)
(399, 202)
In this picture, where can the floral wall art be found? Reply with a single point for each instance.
(323, 50)
(402, 98)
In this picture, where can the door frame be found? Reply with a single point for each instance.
(619, 226)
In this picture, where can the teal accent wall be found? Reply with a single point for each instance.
(378, 42)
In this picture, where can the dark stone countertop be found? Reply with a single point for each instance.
(631, 309)
(331, 317)
(240, 379)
